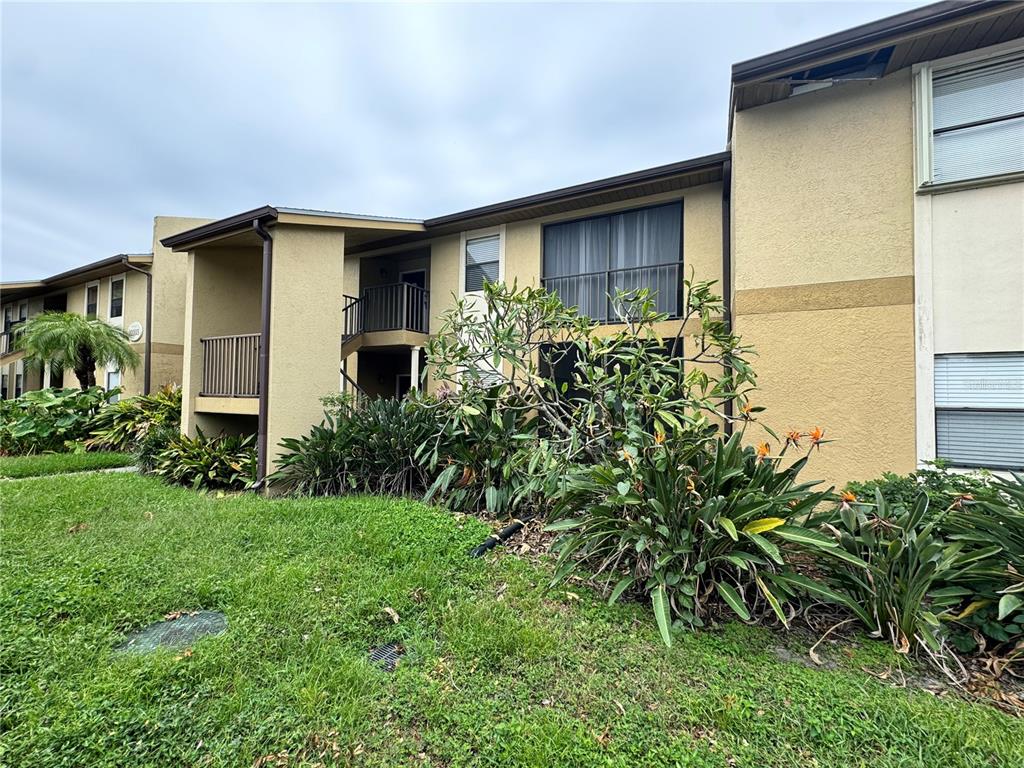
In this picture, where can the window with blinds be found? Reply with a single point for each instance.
(482, 257)
(979, 409)
(978, 122)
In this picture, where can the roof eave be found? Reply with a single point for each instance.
(798, 57)
(693, 165)
(222, 227)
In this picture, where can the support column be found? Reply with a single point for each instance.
(414, 368)
(306, 322)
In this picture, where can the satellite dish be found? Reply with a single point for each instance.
(135, 331)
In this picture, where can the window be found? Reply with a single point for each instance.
(587, 262)
(22, 313)
(113, 382)
(4, 382)
(116, 298)
(92, 300)
(17, 384)
(482, 257)
(979, 410)
(977, 121)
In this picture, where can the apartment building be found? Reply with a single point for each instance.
(142, 294)
(866, 225)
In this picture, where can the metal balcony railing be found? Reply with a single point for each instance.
(395, 307)
(592, 292)
(230, 365)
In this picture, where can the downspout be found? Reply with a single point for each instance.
(264, 359)
(148, 348)
(727, 271)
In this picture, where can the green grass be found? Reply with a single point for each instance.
(60, 463)
(498, 672)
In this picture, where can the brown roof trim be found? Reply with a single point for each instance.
(136, 258)
(801, 56)
(636, 177)
(237, 223)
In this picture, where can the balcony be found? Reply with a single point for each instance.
(386, 315)
(230, 374)
(396, 307)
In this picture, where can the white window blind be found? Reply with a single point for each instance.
(978, 122)
(482, 256)
(979, 402)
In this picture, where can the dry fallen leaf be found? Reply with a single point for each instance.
(392, 613)
(77, 528)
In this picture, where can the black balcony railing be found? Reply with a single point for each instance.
(592, 293)
(230, 365)
(395, 307)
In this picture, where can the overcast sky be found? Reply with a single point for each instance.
(115, 113)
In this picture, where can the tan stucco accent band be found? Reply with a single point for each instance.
(160, 348)
(846, 294)
(245, 406)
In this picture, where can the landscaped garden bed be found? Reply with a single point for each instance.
(496, 669)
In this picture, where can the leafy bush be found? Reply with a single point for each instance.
(686, 522)
(48, 419)
(123, 425)
(225, 461)
(942, 486)
(993, 517)
(914, 575)
(369, 447)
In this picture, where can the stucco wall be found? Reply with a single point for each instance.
(222, 297)
(977, 254)
(823, 267)
(305, 328)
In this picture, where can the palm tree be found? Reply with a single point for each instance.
(66, 340)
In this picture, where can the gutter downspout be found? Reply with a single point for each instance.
(263, 372)
(148, 350)
(727, 270)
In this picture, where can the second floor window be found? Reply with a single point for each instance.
(587, 262)
(978, 121)
(116, 298)
(92, 300)
(483, 255)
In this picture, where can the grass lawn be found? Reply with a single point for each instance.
(59, 463)
(497, 672)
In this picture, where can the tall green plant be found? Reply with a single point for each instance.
(910, 586)
(47, 419)
(65, 340)
(123, 425)
(688, 523)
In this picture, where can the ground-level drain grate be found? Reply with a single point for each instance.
(176, 633)
(387, 656)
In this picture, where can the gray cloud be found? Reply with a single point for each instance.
(115, 113)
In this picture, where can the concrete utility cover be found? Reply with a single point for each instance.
(177, 633)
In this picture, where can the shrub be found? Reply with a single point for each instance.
(942, 486)
(225, 461)
(490, 458)
(913, 574)
(123, 425)
(686, 521)
(993, 517)
(369, 447)
(47, 419)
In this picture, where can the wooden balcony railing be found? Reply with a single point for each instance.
(395, 307)
(230, 365)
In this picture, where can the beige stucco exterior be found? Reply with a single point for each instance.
(823, 225)
(309, 271)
